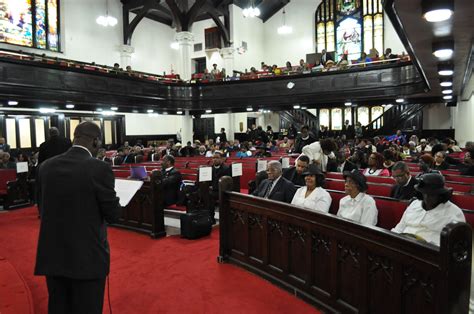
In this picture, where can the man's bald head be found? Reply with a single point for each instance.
(53, 131)
(88, 134)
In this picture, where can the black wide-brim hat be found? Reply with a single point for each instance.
(431, 183)
(358, 178)
(313, 170)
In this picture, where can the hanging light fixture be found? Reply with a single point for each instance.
(437, 10)
(443, 49)
(284, 29)
(251, 11)
(107, 20)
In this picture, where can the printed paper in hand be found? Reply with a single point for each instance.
(21, 167)
(126, 189)
(205, 174)
(236, 170)
(261, 165)
(285, 162)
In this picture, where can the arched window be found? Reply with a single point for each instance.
(324, 117)
(348, 114)
(336, 119)
(356, 24)
(363, 115)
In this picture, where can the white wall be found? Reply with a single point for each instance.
(390, 37)
(144, 124)
(211, 56)
(462, 119)
(249, 30)
(436, 117)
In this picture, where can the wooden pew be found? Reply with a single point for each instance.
(341, 266)
(145, 212)
(14, 190)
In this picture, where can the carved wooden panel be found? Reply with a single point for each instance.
(321, 267)
(238, 240)
(276, 244)
(256, 240)
(349, 273)
(418, 290)
(381, 281)
(297, 253)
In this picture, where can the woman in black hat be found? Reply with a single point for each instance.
(426, 218)
(357, 205)
(312, 196)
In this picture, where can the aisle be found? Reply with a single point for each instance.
(171, 275)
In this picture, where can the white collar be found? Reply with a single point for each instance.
(305, 138)
(83, 148)
(358, 197)
(169, 168)
(408, 182)
(276, 180)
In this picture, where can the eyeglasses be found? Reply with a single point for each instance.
(399, 176)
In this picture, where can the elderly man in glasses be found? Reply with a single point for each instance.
(404, 189)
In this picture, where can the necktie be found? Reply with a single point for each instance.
(269, 188)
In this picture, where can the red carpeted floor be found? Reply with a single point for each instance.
(171, 275)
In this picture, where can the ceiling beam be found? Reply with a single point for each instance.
(273, 10)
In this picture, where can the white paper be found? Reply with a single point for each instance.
(126, 189)
(261, 165)
(21, 167)
(237, 170)
(285, 162)
(205, 174)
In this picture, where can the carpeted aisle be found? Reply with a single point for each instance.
(169, 275)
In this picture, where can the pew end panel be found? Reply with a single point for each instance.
(341, 266)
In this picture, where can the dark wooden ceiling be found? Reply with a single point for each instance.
(162, 13)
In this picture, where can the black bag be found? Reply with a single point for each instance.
(195, 225)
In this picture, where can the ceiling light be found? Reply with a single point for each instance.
(179, 112)
(249, 109)
(70, 106)
(174, 45)
(47, 110)
(445, 69)
(251, 11)
(284, 29)
(443, 49)
(208, 111)
(296, 107)
(150, 111)
(13, 103)
(448, 97)
(399, 100)
(348, 104)
(304, 108)
(106, 20)
(447, 91)
(114, 108)
(437, 10)
(108, 113)
(99, 109)
(446, 83)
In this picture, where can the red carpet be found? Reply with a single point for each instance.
(171, 275)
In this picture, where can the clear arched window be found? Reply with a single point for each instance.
(363, 115)
(348, 114)
(376, 112)
(324, 117)
(336, 119)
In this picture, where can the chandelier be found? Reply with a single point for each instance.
(284, 29)
(251, 11)
(106, 20)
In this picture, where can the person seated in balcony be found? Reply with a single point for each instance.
(303, 66)
(423, 147)
(425, 218)
(117, 67)
(325, 57)
(304, 139)
(312, 196)
(440, 161)
(288, 68)
(373, 54)
(343, 63)
(376, 167)
(388, 54)
(276, 70)
(295, 174)
(215, 73)
(404, 189)
(364, 58)
(357, 205)
(276, 187)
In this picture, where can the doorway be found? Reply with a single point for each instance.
(199, 65)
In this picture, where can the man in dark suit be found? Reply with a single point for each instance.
(4, 146)
(325, 57)
(55, 145)
(218, 171)
(404, 189)
(304, 139)
(295, 174)
(276, 187)
(76, 198)
(171, 180)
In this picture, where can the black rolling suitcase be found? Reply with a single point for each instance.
(195, 225)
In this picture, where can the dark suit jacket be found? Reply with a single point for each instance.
(405, 192)
(171, 184)
(218, 173)
(293, 176)
(76, 198)
(56, 145)
(283, 191)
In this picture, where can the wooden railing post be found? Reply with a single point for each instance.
(225, 186)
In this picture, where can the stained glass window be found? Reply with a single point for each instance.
(336, 117)
(31, 23)
(348, 22)
(324, 117)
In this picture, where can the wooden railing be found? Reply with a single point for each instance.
(341, 266)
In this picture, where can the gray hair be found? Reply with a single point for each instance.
(275, 165)
(400, 165)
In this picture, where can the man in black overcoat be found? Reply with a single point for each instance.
(55, 145)
(171, 180)
(76, 198)
(276, 187)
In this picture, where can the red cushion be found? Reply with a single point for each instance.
(464, 201)
(390, 212)
(177, 207)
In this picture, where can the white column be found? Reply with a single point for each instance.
(228, 56)
(187, 128)
(230, 130)
(185, 41)
(126, 52)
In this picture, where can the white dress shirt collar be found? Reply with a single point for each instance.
(80, 146)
